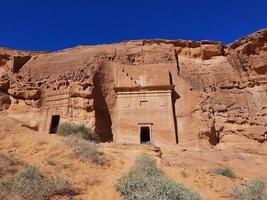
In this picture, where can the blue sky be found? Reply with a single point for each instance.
(56, 24)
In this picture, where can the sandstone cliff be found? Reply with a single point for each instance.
(220, 93)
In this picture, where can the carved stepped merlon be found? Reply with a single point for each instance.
(133, 82)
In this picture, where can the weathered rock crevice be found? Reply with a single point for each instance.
(103, 122)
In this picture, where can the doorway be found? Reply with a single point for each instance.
(54, 124)
(144, 134)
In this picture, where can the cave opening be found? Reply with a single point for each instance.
(54, 124)
(144, 134)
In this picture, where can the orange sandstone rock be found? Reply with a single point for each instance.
(162, 91)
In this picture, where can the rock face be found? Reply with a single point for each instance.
(166, 91)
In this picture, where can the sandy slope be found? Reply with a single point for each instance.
(192, 166)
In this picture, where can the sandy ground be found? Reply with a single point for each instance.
(191, 166)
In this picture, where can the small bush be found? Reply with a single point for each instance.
(4, 194)
(224, 171)
(7, 162)
(253, 190)
(86, 151)
(146, 181)
(148, 165)
(50, 162)
(80, 130)
(27, 184)
(72, 140)
(56, 185)
(42, 142)
(30, 184)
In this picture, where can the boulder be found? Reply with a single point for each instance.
(4, 101)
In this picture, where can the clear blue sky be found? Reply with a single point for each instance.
(56, 24)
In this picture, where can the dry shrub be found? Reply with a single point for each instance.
(50, 162)
(8, 164)
(85, 150)
(41, 142)
(253, 190)
(80, 130)
(146, 181)
(30, 184)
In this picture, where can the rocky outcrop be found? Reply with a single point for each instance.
(231, 91)
(4, 101)
(220, 91)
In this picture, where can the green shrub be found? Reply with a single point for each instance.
(224, 171)
(80, 130)
(253, 190)
(30, 184)
(145, 181)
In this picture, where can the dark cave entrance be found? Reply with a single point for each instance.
(214, 138)
(54, 124)
(144, 134)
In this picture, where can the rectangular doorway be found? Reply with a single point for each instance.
(54, 124)
(144, 134)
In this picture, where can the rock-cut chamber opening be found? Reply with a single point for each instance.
(144, 134)
(54, 124)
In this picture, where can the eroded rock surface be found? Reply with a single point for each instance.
(220, 92)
